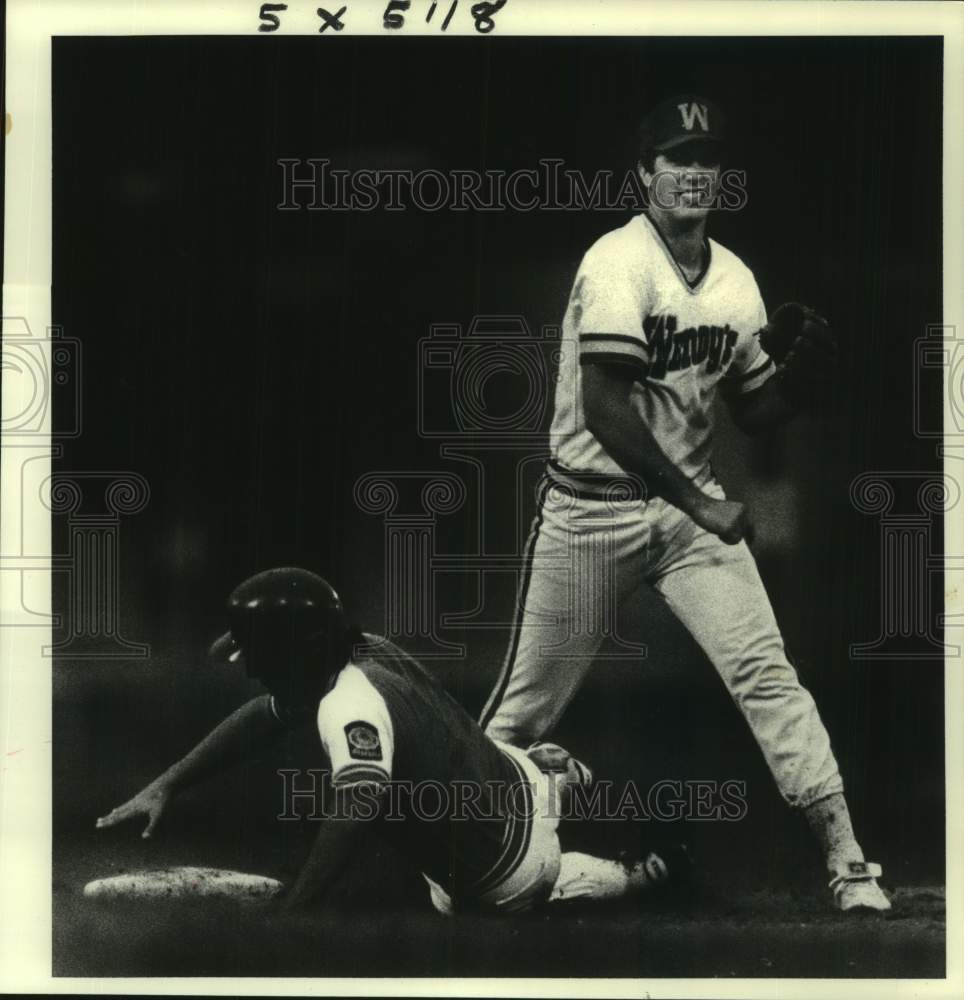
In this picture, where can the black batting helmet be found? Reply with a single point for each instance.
(290, 628)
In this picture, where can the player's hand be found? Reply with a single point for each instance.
(150, 802)
(727, 519)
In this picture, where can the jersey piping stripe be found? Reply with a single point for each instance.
(588, 338)
(613, 358)
(693, 285)
(508, 853)
(495, 699)
(360, 772)
(519, 837)
(287, 716)
(599, 485)
(619, 496)
(752, 373)
(482, 882)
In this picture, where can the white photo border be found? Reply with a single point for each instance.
(25, 675)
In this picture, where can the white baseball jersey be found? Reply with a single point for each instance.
(632, 305)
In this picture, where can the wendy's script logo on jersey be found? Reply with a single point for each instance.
(673, 350)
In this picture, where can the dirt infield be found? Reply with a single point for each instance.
(380, 924)
(759, 906)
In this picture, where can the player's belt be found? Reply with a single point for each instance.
(604, 486)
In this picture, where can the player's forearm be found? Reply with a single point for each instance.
(763, 410)
(337, 838)
(242, 733)
(624, 435)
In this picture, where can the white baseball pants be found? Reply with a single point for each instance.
(584, 555)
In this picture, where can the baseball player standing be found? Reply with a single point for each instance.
(661, 320)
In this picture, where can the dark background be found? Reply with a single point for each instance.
(253, 363)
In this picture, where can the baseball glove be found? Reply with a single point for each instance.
(804, 349)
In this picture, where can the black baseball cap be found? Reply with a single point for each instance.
(679, 119)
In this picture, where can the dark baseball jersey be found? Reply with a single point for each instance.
(455, 803)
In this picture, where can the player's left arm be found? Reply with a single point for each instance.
(250, 728)
(341, 831)
(785, 368)
(761, 409)
(357, 735)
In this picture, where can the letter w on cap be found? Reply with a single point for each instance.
(690, 112)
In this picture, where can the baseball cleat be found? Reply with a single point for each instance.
(669, 867)
(679, 863)
(855, 888)
(551, 758)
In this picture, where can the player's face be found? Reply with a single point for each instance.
(293, 686)
(685, 180)
(295, 680)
